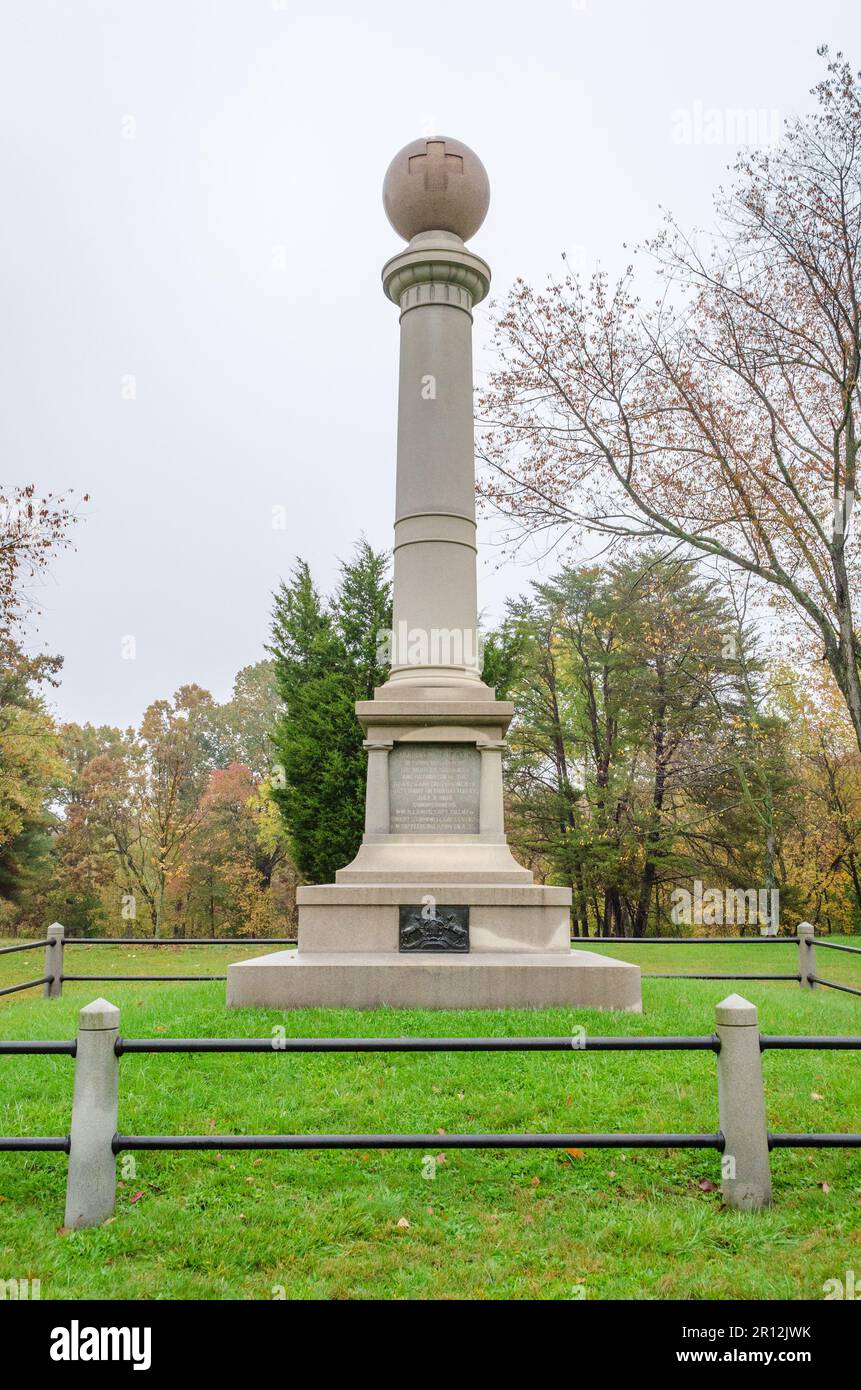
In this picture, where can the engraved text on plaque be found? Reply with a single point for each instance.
(434, 788)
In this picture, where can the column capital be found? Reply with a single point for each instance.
(495, 745)
(378, 745)
(436, 268)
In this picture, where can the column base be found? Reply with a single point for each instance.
(427, 980)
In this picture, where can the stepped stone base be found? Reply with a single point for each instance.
(434, 980)
(362, 917)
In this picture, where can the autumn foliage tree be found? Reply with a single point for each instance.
(725, 417)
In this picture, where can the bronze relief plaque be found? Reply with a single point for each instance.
(424, 928)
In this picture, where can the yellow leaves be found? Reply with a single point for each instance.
(30, 765)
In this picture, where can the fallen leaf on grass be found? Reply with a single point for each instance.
(826, 1187)
(403, 1224)
(814, 1095)
(706, 1185)
(579, 1153)
(136, 1196)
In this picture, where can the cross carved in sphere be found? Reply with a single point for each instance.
(436, 165)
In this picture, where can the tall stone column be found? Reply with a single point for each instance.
(435, 283)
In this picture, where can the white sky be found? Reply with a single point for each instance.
(261, 135)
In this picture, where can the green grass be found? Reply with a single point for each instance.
(530, 1224)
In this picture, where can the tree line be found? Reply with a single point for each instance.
(687, 706)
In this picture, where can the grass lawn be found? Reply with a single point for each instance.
(530, 1224)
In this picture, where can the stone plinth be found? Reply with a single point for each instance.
(480, 980)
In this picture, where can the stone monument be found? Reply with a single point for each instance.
(434, 911)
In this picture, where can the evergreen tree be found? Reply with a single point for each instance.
(327, 656)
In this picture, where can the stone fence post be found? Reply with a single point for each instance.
(745, 1164)
(91, 1182)
(806, 954)
(54, 961)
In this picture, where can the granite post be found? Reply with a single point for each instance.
(741, 1098)
(91, 1181)
(806, 954)
(54, 962)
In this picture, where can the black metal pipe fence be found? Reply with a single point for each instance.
(60, 1143)
(833, 984)
(741, 1114)
(28, 984)
(180, 940)
(125, 979)
(814, 1141)
(837, 946)
(279, 1044)
(690, 940)
(805, 976)
(674, 975)
(418, 1141)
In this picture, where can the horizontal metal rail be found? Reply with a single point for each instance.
(278, 1044)
(180, 941)
(836, 946)
(832, 984)
(814, 1141)
(27, 946)
(768, 1042)
(691, 940)
(650, 975)
(28, 984)
(123, 1142)
(36, 1144)
(127, 978)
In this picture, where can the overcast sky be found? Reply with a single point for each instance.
(192, 216)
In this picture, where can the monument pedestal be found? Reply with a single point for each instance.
(434, 911)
